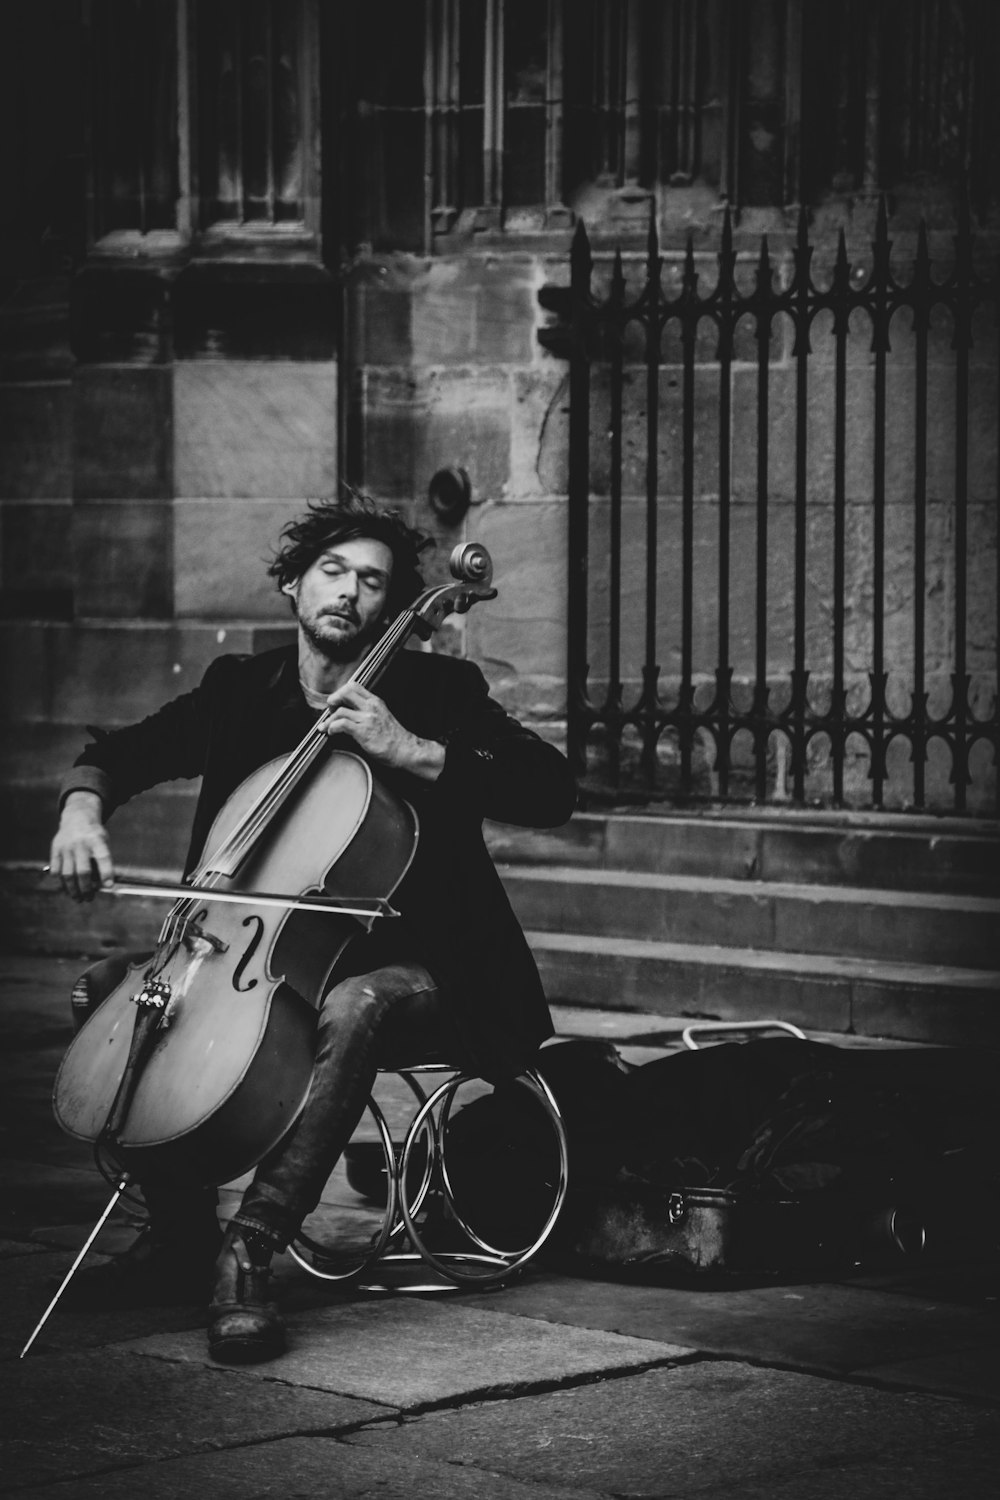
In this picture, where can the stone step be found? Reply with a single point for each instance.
(35, 917)
(908, 927)
(867, 850)
(911, 1002)
(950, 856)
(942, 1004)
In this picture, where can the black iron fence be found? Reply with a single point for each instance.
(782, 522)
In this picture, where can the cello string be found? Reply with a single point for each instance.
(242, 838)
(224, 862)
(231, 851)
(316, 740)
(235, 847)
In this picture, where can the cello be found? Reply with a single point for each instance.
(200, 1060)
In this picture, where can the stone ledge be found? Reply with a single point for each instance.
(944, 1006)
(875, 850)
(770, 916)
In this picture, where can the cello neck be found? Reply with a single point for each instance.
(224, 861)
(473, 571)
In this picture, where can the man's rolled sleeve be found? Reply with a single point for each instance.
(87, 779)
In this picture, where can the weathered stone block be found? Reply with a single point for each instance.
(36, 441)
(981, 584)
(255, 309)
(106, 673)
(670, 432)
(220, 549)
(417, 425)
(857, 345)
(475, 311)
(981, 791)
(123, 433)
(705, 340)
(260, 430)
(941, 433)
(394, 406)
(539, 449)
(705, 335)
(36, 556)
(904, 345)
(742, 589)
(899, 475)
(983, 435)
(782, 437)
(520, 637)
(901, 585)
(124, 559)
(859, 604)
(380, 312)
(468, 426)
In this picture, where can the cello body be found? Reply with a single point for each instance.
(228, 1066)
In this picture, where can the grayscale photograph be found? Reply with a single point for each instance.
(499, 833)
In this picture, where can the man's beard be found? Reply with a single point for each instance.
(342, 648)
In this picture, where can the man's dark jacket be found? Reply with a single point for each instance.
(455, 916)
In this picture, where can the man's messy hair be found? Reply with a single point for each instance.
(329, 521)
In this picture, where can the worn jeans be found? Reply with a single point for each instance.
(394, 1014)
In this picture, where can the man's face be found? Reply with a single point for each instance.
(340, 599)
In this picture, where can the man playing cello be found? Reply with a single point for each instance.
(452, 974)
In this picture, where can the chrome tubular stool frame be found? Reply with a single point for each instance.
(482, 1264)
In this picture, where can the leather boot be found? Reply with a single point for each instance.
(244, 1328)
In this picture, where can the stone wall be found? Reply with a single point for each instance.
(144, 479)
(450, 372)
(140, 504)
(448, 361)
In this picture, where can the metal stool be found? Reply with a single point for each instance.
(399, 1241)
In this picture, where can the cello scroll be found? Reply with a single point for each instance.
(472, 568)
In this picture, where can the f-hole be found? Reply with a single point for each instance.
(257, 923)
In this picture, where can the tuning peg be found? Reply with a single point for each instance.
(471, 563)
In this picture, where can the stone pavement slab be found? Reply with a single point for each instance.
(713, 1427)
(29, 1282)
(828, 1327)
(9, 1249)
(660, 1421)
(974, 1373)
(317, 1468)
(412, 1354)
(76, 1414)
(932, 1476)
